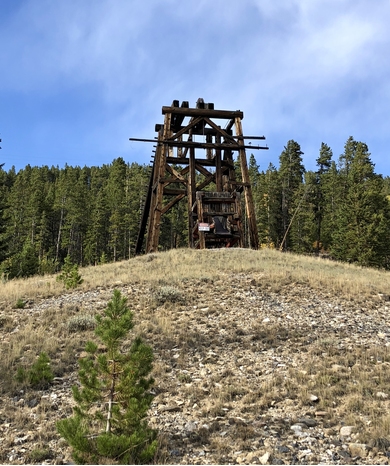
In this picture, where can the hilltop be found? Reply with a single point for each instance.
(260, 357)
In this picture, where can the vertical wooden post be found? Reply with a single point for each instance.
(250, 207)
(218, 166)
(202, 239)
(239, 213)
(158, 189)
(191, 195)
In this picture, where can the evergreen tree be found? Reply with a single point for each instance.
(362, 221)
(268, 212)
(116, 201)
(109, 420)
(302, 231)
(324, 163)
(291, 172)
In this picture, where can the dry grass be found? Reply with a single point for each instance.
(273, 269)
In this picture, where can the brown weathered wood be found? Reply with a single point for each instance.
(205, 162)
(195, 130)
(144, 216)
(218, 165)
(174, 191)
(202, 239)
(205, 145)
(177, 165)
(250, 207)
(186, 129)
(191, 195)
(159, 192)
(175, 173)
(172, 203)
(203, 112)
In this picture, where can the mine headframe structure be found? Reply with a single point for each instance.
(214, 216)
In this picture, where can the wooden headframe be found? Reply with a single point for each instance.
(178, 172)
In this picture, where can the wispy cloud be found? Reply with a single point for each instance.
(309, 70)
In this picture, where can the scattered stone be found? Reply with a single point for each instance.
(32, 403)
(347, 431)
(264, 459)
(282, 449)
(308, 422)
(358, 450)
(230, 358)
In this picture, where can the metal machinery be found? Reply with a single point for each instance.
(208, 182)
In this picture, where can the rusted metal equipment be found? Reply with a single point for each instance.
(208, 183)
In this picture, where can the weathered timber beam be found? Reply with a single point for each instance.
(212, 213)
(250, 137)
(199, 145)
(195, 130)
(204, 112)
(186, 129)
(207, 162)
(144, 217)
(202, 170)
(206, 182)
(206, 145)
(220, 132)
(172, 179)
(175, 173)
(175, 192)
(172, 203)
(219, 200)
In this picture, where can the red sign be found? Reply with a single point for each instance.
(204, 227)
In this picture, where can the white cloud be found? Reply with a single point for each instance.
(303, 68)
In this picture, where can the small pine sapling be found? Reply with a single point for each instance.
(70, 274)
(39, 375)
(109, 421)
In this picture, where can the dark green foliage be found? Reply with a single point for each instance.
(39, 375)
(85, 213)
(320, 205)
(340, 210)
(23, 264)
(38, 455)
(268, 201)
(20, 304)
(70, 275)
(92, 214)
(362, 215)
(291, 176)
(109, 421)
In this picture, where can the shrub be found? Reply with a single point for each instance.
(39, 375)
(19, 304)
(81, 323)
(38, 455)
(47, 266)
(168, 294)
(70, 274)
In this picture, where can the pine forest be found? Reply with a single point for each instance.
(91, 215)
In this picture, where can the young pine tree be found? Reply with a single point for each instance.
(109, 420)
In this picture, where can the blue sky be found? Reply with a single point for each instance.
(79, 77)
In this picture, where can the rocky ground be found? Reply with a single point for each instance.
(240, 374)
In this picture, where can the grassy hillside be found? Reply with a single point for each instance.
(261, 357)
